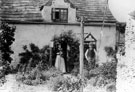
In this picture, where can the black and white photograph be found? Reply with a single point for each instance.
(67, 45)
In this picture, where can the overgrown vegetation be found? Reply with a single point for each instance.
(33, 62)
(6, 40)
(34, 68)
(33, 57)
(110, 51)
(104, 76)
(67, 83)
(35, 77)
(70, 46)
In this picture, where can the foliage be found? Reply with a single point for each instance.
(110, 51)
(6, 40)
(70, 43)
(33, 56)
(33, 62)
(104, 74)
(66, 84)
(75, 72)
(108, 70)
(51, 72)
(36, 76)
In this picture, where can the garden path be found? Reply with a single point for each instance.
(13, 86)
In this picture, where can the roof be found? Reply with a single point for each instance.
(49, 3)
(28, 10)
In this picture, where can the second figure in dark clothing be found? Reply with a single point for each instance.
(90, 56)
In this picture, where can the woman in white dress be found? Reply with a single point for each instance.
(60, 62)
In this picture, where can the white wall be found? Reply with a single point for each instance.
(41, 34)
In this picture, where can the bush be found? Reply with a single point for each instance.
(52, 72)
(66, 84)
(55, 82)
(34, 56)
(70, 46)
(104, 74)
(110, 51)
(6, 40)
(36, 76)
(108, 70)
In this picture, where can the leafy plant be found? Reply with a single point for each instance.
(104, 74)
(6, 40)
(70, 45)
(36, 76)
(33, 62)
(34, 56)
(110, 51)
(51, 72)
(66, 84)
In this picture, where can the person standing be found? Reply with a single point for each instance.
(90, 56)
(60, 62)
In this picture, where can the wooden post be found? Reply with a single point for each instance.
(50, 56)
(51, 47)
(81, 50)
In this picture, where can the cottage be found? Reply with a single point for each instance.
(37, 21)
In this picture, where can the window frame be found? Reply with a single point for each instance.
(60, 14)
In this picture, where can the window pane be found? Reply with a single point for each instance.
(59, 14)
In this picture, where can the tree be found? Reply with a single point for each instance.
(6, 40)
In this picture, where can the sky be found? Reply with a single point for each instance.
(121, 8)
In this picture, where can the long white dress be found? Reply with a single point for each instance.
(60, 63)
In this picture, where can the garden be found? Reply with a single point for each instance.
(34, 68)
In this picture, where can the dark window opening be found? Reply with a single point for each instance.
(60, 15)
(57, 15)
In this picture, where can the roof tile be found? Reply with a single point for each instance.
(27, 9)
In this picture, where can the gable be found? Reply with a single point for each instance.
(29, 10)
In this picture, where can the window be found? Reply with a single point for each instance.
(60, 14)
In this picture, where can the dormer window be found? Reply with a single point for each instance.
(59, 14)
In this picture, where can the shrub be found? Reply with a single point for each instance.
(111, 54)
(6, 40)
(52, 72)
(70, 46)
(55, 82)
(34, 56)
(109, 51)
(66, 84)
(104, 74)
(108, 70)
(36, 76)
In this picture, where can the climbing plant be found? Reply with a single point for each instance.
(70, 46)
